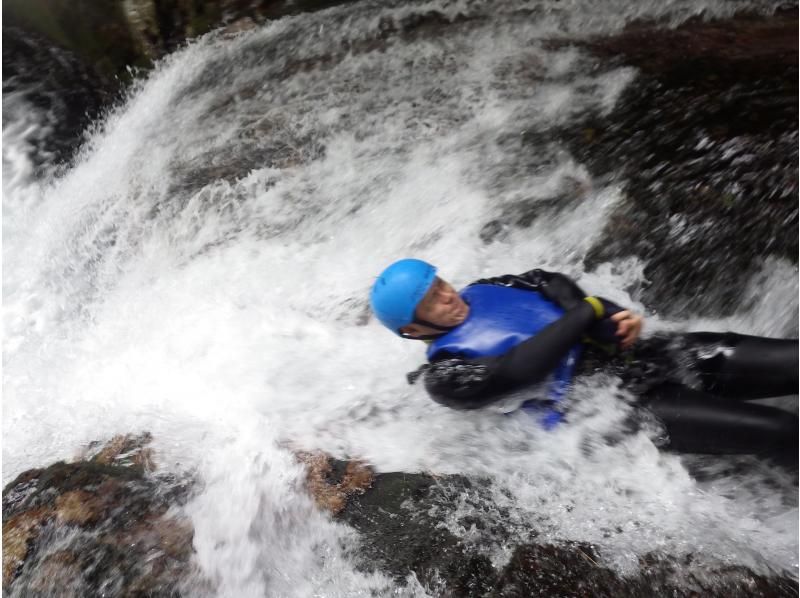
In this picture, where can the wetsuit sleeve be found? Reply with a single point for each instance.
(564, 292)
(558, 288)
(473, 383)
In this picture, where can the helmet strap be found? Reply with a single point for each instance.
(421, 337)
(427, 337)
(434, 326)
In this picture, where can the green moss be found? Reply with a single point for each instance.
(38, 16)
(71, 476)
(97, 31)
(203, 19)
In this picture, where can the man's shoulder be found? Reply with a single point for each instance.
(530, 280)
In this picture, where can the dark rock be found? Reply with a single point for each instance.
(524, 213)
(548, 570)
(99, 526)
(56, 82)
(125, 450)
(706, 144)
(111, 36)
(332, 482)
(400, 535)
(71, 531)
(96, 33)
(573, 570)
(404, 523)
(18, 531)
(74, 60)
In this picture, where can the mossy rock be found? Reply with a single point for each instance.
(104, 523)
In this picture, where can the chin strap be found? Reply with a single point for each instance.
(422, 337)
(434, 326)
(427, 337)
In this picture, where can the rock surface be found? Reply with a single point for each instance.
(113, 35)
(332, 483)
(97, 526)
(55, 82)
(703, 141)
(706, 143)
(402, 520)
(101, 526)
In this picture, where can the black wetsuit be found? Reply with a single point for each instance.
(697, 384)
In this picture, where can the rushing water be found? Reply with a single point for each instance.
(201, 271)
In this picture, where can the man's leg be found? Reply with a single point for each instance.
(743, 367)
(701, 423)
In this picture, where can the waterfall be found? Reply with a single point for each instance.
(201, 269)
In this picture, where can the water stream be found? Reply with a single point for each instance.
(201, 271)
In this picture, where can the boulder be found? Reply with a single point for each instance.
(102, 525)
(404, 521)
(705, 143)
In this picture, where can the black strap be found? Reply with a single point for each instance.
(426, 337)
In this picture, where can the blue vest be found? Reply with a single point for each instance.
(499, 319)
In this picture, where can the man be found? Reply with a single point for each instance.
(531, 333)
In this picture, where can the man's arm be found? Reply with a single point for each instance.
(473, 383)
(564, 292)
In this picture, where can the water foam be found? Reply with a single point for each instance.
(202, 273)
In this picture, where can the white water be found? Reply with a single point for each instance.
(201, 272)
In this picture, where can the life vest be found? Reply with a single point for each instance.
(499, 319)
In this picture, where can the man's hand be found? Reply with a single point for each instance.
(629, 326)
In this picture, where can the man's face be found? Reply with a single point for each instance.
(442, 306)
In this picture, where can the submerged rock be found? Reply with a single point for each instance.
(98, 526)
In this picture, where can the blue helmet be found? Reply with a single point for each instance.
(398, 290)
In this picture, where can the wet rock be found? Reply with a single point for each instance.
(73, 61)
(240, 25)
(128, 450)
(102, 525)
(573, 570)
(550, 570)
(78, 507)
(407, 526)
(56, 83)
(400, 520)
(523, 213)
(57, 575)
(705, 143)
(97, 34)
(18, 531)
(332, 482)
(110, 37)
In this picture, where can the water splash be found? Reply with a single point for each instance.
(202, 273)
